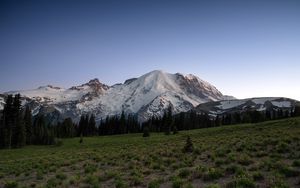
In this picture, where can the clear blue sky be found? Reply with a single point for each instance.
(244, 48)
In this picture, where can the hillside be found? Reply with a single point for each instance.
(248, 155)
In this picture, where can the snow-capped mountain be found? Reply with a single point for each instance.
(258, 104)
(146, 96)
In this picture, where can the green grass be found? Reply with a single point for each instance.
(248, 155)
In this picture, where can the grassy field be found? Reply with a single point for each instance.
(250, 155)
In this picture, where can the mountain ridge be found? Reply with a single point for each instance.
(145, 96)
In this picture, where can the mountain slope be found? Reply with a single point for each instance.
(258, 104)
(146, 96)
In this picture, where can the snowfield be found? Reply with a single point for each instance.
(147, 95)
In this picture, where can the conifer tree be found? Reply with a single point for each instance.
(92, 125)
(189, 147)
(19, 130)
(28, 125)
(146, 131)
(8, 122)
(81, 126)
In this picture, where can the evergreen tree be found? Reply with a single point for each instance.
(146, 131)
(18, 129)
(85, 126)
(92, 125)
(81, 126)
(67, 128)
(28, 125)
(1, 131)
(8, 122)
(43, 134)
(297, 110)
(189, 147)
(175, 130)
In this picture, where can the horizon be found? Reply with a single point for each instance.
(245, 49)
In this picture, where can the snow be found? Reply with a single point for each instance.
(282, 104)
(52, 95)
(230, 104)
(279, 102)
(2, 103)
(263, 100)
(153, 89)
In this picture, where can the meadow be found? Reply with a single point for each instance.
(248, 155)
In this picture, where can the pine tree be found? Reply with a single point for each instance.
(28, 125)
(146, 131)
(81, 126)
(19, 130)
(123, 123)
(168, 120)
(92, 125)
(67, 129)
(8, 122)
(189, 147)
(1, 131)
(175, 130)
(86, 124)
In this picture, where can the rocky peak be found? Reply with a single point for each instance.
(95, 84)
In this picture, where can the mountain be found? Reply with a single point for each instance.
(258, 104)
(146, 96)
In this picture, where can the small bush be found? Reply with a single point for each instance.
(189, 147)
(11, 184)
(241, 182)
(119, 183)
(146, 131)
(212, 174)
(289, 172)
(177, 182)
(61, 176)
(58, 142)
(213, 186)
(184, 173)
(244, 160)
(154, 183)
(92, 180)
(282, 147)
(257, 176)
(296, 163)
(234, 169)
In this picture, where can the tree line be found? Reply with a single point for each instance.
(194, 120)
(19, 128)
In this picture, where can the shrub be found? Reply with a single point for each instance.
(58, 142)
(177, 182)
(184, 173)
(234, 169)
(289, 172)
(189, 147)
(244, 160)
(154, 183)
(61, 176)
(257, 176)
(146, 131)
(282, 147)
(11, 184)
(241, 182)
(89, 168)
(213, 186)
(296, 163)
(212, 174)
(119, 183)
(92, 180)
